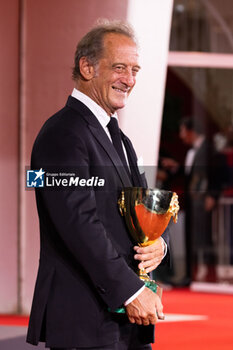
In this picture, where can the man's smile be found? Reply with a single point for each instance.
(121, 90)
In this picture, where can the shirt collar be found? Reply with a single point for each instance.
(98, 111)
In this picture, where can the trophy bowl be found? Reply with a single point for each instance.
(147, 213)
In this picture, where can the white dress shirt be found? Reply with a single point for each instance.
(189, 159)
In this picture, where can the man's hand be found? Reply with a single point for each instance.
(150, 256)
(170, 164)
(210, 203)
(145, 309)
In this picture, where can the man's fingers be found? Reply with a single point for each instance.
(145, 323)
(149, 265)
(140, 321)
(144, 319)
(159, 309)
(146, 250)
(153, 319)
(157, 245)
(161, 316)
(131, 320)
(148, 257)
(150, 269)
(145, 309)
(144, 257)
(149, 253)
(136, 320)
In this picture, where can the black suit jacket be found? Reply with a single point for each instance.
(86, 259)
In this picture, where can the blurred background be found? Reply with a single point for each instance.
(186, 51)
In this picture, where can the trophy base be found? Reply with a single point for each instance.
(152, 285)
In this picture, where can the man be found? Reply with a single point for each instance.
(87, 262)
(204, 172)
(204, 175)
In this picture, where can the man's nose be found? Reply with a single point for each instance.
(129, 78)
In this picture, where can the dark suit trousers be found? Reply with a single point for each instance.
(130, 340)
(116, 346)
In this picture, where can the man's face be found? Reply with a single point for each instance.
(186, 135)
(115, 73)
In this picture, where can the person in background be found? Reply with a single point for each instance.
(227, 150)
(203, 172)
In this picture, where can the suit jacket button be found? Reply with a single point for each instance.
(101, 290)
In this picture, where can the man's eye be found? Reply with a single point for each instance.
(119, 68)
(135, 71)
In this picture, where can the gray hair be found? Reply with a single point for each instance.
(91, 45)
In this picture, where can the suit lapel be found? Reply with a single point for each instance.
(103, 139)
(101, 136)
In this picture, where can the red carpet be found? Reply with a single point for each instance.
(215, 333)
(9, 320)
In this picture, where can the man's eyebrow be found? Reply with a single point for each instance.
(119, 64)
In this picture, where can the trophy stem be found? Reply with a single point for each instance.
(143, 275)
(147, 280)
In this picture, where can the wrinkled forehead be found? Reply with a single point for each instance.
(117, 46)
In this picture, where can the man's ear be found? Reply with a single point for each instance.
(86, 69)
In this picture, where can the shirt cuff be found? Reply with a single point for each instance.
(128, 301)
(164, 247)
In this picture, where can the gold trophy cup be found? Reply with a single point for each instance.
(147, 213)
